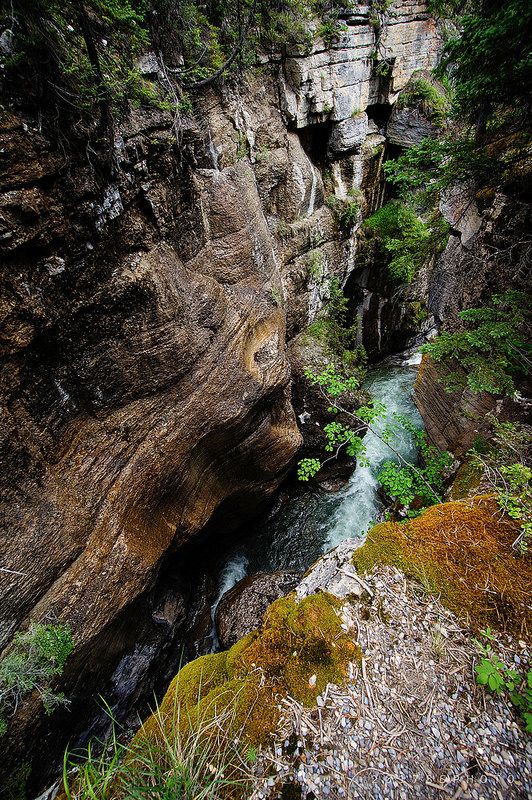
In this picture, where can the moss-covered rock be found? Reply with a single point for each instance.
(467, 480)
(299, 649)
(463, 552)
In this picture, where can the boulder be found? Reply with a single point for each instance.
(348, 135)
(408, 126)
(241, 609)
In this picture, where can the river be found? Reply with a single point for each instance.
(302, 526)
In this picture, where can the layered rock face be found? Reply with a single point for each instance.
(145, 386)
(145, 381)
(488, 251)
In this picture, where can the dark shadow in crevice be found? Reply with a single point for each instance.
(314, 140)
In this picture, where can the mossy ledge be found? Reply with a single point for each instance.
(463, 552)
(300, 647)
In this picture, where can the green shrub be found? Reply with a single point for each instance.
(36, 657)
(346, 211)
(316, 265)
(332, 328)
(424, 484)
(494, 675)
(408, 241)
(432, 101)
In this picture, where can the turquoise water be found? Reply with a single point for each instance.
(303, 525)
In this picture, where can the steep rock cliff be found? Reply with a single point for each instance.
(145, 386)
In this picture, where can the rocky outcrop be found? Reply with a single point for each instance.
(241, 609)
(452, 420)
(408, 126)
(488, 242)
(339, 82)
(145, 383)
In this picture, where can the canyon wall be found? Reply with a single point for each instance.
(145, 385)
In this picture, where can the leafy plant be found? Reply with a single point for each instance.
(491, 349)
(35, 658)
(493, 673)
(503, 459)
(425, 484)
(406, 239)
(408, 480)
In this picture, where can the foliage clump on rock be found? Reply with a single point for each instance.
(430, 97)
(69, 58)
(220, 707)
(298, 640)
(407, 241)
(35, 658)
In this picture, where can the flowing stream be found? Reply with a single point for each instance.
(303, 525)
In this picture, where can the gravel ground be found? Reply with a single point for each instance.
(411, 722)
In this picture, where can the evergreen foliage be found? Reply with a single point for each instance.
(490, 61)
(407, 240)
(36, 657)
(492, 348)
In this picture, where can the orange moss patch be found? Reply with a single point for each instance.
(463, 552)
(298, 641)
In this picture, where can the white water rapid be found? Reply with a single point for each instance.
(236, 568)
(302, 525)
(360, 504)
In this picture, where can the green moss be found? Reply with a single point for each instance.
(298, 640)
(467, 479)
(463, 552)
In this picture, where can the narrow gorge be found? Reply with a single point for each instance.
(207, 261)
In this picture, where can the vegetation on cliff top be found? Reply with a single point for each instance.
(463, 552)
(226, 703)
(489, 65)
(68, 58)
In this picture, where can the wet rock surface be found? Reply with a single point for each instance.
(241, 609)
